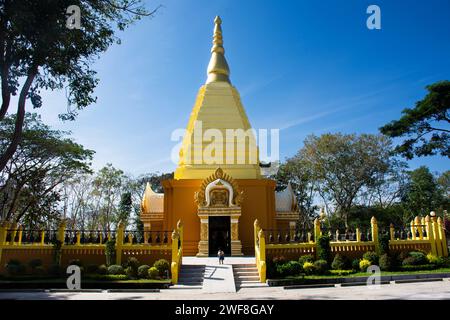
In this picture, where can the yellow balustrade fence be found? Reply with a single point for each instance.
(426, 234)
(89, 246)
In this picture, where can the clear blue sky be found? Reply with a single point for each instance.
(303, 66)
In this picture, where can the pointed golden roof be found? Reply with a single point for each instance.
(218, 132)
(218, 69)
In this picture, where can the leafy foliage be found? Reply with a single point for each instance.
(324, 248)
(425, 126)
(163, 267)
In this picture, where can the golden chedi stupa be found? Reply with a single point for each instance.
(218, 190)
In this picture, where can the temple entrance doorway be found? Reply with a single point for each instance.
(219, 235)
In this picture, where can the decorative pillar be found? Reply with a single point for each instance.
(236, 246)
(203, 244)
(62, 232)
(436, 237)
(20, 231)
(430, 234)
(374, 229)
(174, 267)
(13, 229)
(392, 231)
(413, 230)
(317, 231)
(442, 237)
(119, 242)
(292, 225)
(262, 256)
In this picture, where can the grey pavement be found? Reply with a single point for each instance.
(426, 290)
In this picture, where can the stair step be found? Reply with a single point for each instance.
(248, 278)
(246, 273)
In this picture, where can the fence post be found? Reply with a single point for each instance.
(374, 229)
(262, 255)
(317, 231)
(3, 233)
(119, 242)
(61, 232)
(392, 231)
(358, 235)
(413, 230)
(13, 229)
(20, 230)
(180, 232)
(442, 237)
(174, 265)
(429, 228)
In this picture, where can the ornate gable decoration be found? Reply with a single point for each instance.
(219, 190)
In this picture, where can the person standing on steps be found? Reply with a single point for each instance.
(221, 256)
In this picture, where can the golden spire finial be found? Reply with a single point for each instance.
(218, 69)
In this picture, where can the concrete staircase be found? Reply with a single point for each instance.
(190, 277)
(246, 276)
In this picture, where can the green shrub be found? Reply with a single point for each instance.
(340, 262)
(271, 270)
(143, 271)
(321, 266)
(432, 258)
(385, 262)
(110, 252)
(108, 277)
(133, 263)
(15, 268)
(163, 267)
(364, 264)
(35, 263)
(419, 257)
(306, 258)
(279, 260)
(324, 248)
(418, 267)
(54, 270)
(371, 256)
(341, 272)
(291, 268)
(131, 267)
(39, 271)
(92, 268)
(415, 258)
(115, 269)
(383, 241)
(36, 267)
(153, 273)
(355, 264)
(102, 269)
(308, 267)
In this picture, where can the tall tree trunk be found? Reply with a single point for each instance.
(17, 136)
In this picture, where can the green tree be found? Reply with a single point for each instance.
(303, 182)
(108, 186)
(422, 193)
(30, 184)
(38, 51)
(344, 165)
(125, 206)
(425, 126)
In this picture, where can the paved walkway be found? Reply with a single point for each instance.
(218, 278)
(429, 290)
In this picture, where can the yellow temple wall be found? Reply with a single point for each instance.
(179, 204)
